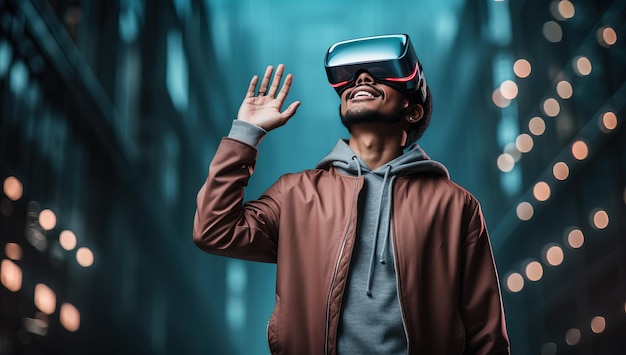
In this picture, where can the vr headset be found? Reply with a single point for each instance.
(390, 59)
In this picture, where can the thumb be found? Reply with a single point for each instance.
(290, 110)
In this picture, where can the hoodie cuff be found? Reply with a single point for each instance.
(247, 133)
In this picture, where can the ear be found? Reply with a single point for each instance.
(414, 113)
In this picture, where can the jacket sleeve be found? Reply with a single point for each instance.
(223, 224)
(481, 304)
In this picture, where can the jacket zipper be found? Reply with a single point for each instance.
(267, 334)
(395, 262)
(332, 284)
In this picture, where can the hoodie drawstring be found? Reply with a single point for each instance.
(358, 165)
(368, 290)
(383, 252)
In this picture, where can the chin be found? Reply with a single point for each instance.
(364, 116)
(351, 117)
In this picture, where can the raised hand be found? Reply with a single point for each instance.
(263, 109)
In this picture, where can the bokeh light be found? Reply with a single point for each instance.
(551, 107)
(554, 255)
(10, 275)
(566, 9)
(541, 191)
(600, 219)
(67, 239)
(45, 298)
(505, 162)
(537, 126)
(69, 316)
(13, 188)
(525, 211)
(575, 238)
(572, 336)
(499, 100)
(564, 89)
(608, 121)
(598, 324)
(534, 271)
(84, 257)
(580, 150)
(511, 149)
(508, 89)
(607, 36)
(552, 31)
(522, 68)
(47, 219)
(524, 143)
(13, 251)
(515, 282)
(582, 66)
(560, 170)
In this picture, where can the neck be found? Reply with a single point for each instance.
(375, 143)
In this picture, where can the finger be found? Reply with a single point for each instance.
(266, 79)
(252, 86)
(282, 95)
(276, 81)
(289, 112)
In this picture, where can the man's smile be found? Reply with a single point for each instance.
(364, 92)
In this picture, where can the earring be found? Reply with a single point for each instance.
(411, 118)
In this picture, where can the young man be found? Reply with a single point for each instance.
(377, 251)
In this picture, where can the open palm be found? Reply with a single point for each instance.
(264, 109)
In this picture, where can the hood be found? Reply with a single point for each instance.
(414, 161)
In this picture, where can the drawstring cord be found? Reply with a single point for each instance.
(368, 290)
(358, 165)
(383, 252)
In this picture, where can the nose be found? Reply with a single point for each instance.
(364, 78)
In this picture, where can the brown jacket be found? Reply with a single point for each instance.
(305, 222)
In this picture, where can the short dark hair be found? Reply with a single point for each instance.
(418, 128)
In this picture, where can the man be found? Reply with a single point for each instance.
(377, 251)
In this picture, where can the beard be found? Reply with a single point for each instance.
(365, 116)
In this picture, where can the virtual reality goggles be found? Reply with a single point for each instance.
(390, 59)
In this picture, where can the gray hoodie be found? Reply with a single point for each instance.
(371, 320)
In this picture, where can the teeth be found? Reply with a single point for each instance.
(363, 93)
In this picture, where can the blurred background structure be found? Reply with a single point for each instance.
(110, 112)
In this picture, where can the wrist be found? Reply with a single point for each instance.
(247, 133)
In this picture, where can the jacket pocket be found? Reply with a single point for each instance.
(272, 328)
